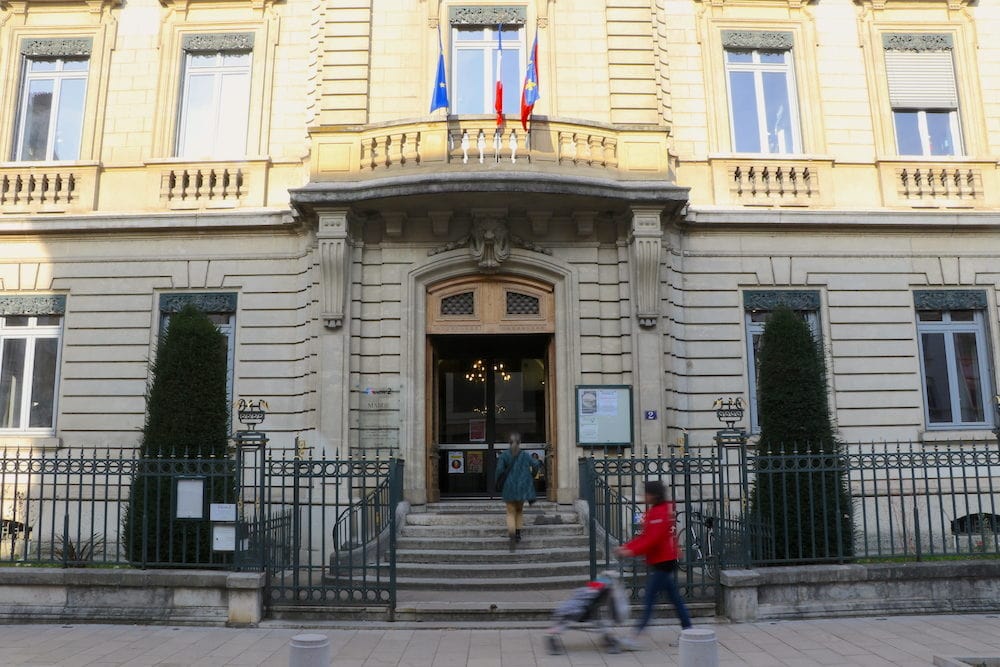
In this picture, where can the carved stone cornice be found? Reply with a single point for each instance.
(917, 41)
(57, 47)
(24, 6)
(791, 4)
(774, 40)
(954, 5)
(206, 302)
(334, 243)
(489, 243)
(949, 299)
(183, 6)
(776, 298)
(212, 42)
(35, 304)
(646, 240)
(487, 15)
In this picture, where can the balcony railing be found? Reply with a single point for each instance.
(474, 143)
(945, 184)
(765, 181)
(26, 188)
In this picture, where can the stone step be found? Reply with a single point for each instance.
(537, 541)
(484, 531)
(523, 554)
(497, 519)
(501, 568)
(476, 507)
(445, 583)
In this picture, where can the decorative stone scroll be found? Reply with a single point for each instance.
(46, 304)
(489, 243)
(771, 299)
(770, 40)
(949, 299)
(212, 42)
(57, 47)
(206, 302)
(471, 15)
(334, 263)
(917, 41)
(647, 249)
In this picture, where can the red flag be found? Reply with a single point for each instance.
(498, 100)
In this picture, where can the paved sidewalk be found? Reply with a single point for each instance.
(908, 641)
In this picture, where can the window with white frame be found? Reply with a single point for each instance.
(954, 359)
(215, 96)
(478, 35)
(52, 99)
(760, 78)
(29, 372)
(920, 70)
(220, 307)
(758, 306)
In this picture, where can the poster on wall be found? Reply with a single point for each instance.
(477, 430)
(456, 463)
(474, 462)
(604, 415)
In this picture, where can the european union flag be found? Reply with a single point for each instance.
(530, 93)
(439, 97)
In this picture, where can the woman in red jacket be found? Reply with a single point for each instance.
(659, 545)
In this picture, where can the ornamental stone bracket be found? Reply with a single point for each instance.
(334, 243)
(646, 241)
(489, 242)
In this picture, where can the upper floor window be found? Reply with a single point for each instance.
(762, 99)
(29, 362)
(485, 41)
(52, 99)
(758, 306)
(923, 94)
(951, 328)
(215, 96)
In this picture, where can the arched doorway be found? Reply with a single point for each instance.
(490, 372)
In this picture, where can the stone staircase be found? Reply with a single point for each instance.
(462, 547)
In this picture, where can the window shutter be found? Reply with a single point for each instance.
(921, 80)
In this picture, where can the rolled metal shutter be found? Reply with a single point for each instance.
(924, 80)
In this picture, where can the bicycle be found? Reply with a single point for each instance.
(696, 528)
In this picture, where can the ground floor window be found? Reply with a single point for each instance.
(954, 362)
(220, 309)
(29, 367)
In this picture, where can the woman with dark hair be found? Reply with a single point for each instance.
(516, 481)
(658, 544)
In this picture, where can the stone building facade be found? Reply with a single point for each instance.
(428, 283)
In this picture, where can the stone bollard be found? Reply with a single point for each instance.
(699, 648)
(309, 651)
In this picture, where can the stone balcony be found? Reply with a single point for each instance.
(772, 181)
(475, 144)
(27, 188)
(942, 183)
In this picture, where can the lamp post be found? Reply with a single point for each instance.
(729, 411)
(250, 457)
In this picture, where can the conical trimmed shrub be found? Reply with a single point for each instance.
(186, 421)
(800, 495)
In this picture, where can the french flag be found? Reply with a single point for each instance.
(498, 100)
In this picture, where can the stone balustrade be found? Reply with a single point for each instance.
(201, 186)
(471, 143)
(945, 183)
(34, 189)
(771, 182)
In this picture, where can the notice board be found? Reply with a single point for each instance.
(604, 415)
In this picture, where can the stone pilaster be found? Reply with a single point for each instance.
(646, 245)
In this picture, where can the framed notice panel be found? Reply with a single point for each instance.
(604, 415)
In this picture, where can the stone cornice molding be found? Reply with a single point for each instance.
(954, 5)
(791, 4)
(487, 15)
(917, 41)
(183, 6)
(57, 47)
(206, 302)
(774, 298)
(218, 41)
(24, 6)
(774, 40)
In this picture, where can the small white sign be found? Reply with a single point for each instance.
(222, 512)
(191, 498)
(224, 537)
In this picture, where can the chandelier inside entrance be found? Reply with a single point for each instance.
(478, 372)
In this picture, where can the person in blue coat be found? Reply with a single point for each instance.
(516, 470)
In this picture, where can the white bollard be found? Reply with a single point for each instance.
(309, 651)
(699, 648)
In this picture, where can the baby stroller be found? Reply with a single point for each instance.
(600, 605)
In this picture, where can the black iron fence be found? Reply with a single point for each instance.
(905, 501)
(323, 531)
